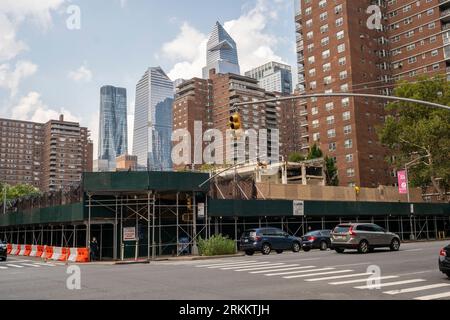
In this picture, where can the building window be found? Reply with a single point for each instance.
(348, 144)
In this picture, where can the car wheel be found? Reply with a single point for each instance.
(395, 245)
(279, 251)
(266, 249)
(249, 252)
(363, 247)
(323, 246)
(339, 250)
(306, 249)
(296, 247)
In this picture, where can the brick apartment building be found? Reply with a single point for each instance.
(338, 52)
(50, 156)
(211, 101)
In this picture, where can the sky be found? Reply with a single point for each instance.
(56, 54)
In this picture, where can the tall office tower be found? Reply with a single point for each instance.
(113, 132)
(67, 153)
(273, 77)
(152, 142)
(221, 55)
(341, 48)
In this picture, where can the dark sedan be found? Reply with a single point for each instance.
(3, 251)
(316, 240)
(444, 261)
(267, 239)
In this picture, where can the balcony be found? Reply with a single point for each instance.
(445, 15)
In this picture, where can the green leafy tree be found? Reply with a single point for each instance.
(18, 191)
(331, 172)
(315, 152)
(420, 132)
(296, 157)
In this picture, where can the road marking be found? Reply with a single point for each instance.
(352, 265)
(294, 272)
(340, 277)
(415, 289)
(3, 267)
(284, 269)
(31, 265)
(272, 266)
(389, 284)
(262, 264)
(46, 264)
(222, 263)
(362, 280)
(18, 260)
(317, 274)
(411, 250)
(434, 296)
(14, 266)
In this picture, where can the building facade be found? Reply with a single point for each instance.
(113, 130)
(50, 156)
(339, 50)
(273, 77)
(153, 121)
(221, 55)
(126, 162)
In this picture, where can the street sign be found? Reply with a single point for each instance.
(129, 234)
(402, 183)
(201, 210)
(299, 208)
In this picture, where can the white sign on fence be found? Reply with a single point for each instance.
(201, 210)
(129, 234)
(299, 208)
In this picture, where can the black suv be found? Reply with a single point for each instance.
(268, 239)
(3, 251)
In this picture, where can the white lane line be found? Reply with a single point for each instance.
(223, 264)
(46, 264)
(411, 250)
(295, 272)
(415, 289)
(272, 266)
(317, 274)
(262, 264)
(18, 260)
(285, 268)
(14, 266)
(31, 265)
(340, 277)
(3, 267)
(389, 284)
(362, 280)
(434, 296)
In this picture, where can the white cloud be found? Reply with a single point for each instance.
(10, 47)
(82, 74)
(255, 44)
(123, 3)
(10, 79)
(31, 108)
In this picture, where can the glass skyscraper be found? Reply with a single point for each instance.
(113, 133)
(221, 53)
(273, 77)
(153, 121)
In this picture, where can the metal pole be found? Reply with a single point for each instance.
(89, 224)
(428, 234)
(115, 231)
(62, 236)
(4, 198)
(101, 242)
(136, 250)
(153, 226)
(401, 228)
(194, 225)
(122, 248)
(148, 225)
(235, 234)
(74, 236)
(178, 224)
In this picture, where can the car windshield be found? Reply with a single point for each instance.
(313, 233)
(342, 229)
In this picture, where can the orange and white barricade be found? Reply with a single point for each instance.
(79, 255)
(22, 250)
(9, 248)
(48, 253)
(56, 253)
(15, 249)
(64, 254)
(27, 251)
(34, 250)
(40, 251)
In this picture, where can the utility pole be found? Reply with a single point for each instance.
(4, 198)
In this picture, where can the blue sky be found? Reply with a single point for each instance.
(46, 68)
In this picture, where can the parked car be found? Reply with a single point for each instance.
(3, 251)
(444, 260)
(364, 237)
(268, 239)
(316, 240)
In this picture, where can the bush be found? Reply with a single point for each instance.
(216, 245)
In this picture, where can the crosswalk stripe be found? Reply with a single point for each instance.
(31, 265)
(415, 289)
(390, 284)
(262, 264)
(3, 267)
(434, 296)
(14, 266)
(284, 269)
(340, 277)
(46, 264)
(234, 265)
(294, 272)
(362, 280)
(223, 264)
(317, 274)
(271, 266)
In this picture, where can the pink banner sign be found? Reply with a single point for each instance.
(402, 182)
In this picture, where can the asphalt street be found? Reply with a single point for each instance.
(410, 274)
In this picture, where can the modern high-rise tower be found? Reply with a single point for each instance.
(221, 53)
(153, 121)
(113, 133)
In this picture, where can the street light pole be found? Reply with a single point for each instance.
(4, 198)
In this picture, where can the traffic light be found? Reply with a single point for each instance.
(357, 190)
(235, 122)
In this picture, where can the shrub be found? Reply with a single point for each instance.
(216, 245)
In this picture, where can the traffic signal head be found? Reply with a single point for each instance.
(357, 190)
(235, 122)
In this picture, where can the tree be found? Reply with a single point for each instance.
(19, 191)
(331, 172)
(315, 152)
(415, 131)
(296, 157)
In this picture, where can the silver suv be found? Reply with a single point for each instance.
(364, 237)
